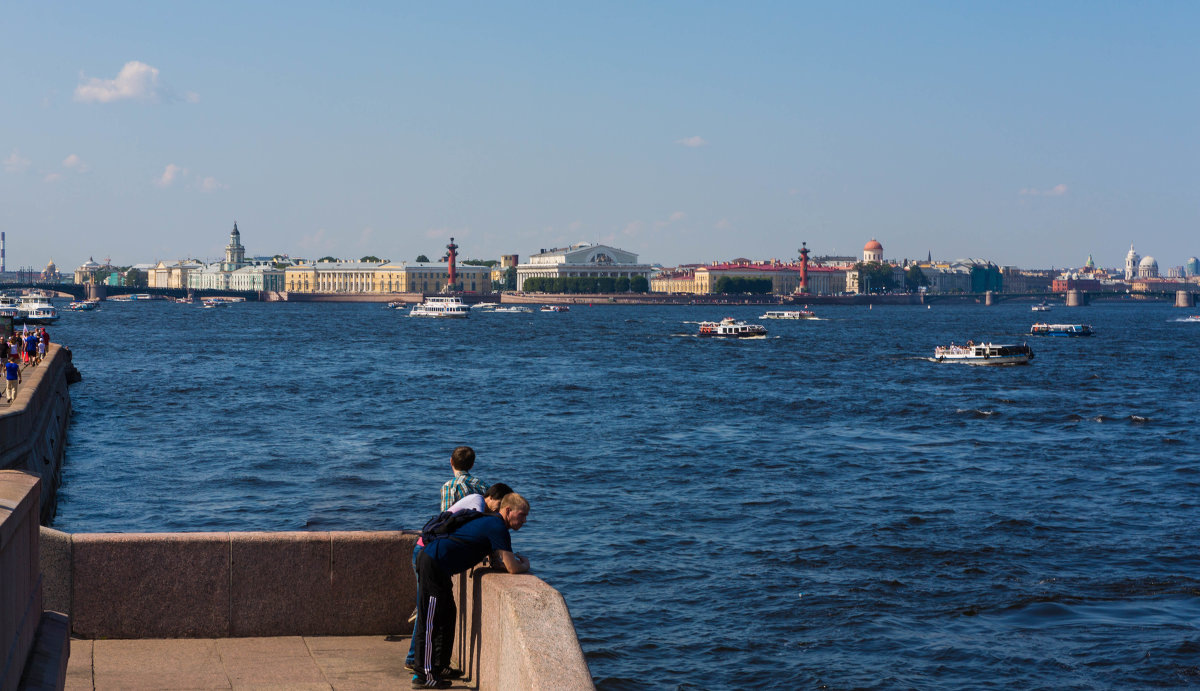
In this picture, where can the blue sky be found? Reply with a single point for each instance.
(1024, 133)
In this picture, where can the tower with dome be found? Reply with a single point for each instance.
(1131, 264)
(873, 251)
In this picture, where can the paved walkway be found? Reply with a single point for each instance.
(293, 662)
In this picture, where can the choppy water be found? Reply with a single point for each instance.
(821, 509)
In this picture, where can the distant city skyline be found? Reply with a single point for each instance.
(1025, 135)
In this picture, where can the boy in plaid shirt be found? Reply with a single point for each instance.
(463, 483)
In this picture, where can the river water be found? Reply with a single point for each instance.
(824, 508)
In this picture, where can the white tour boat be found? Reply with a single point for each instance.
(1044, 329)
(84, 305)
(984, 354)
(441, 307)
(34, 309)
(485, 305)
(1040, 308)
(513, 309)
(788, 314)
(729, 328)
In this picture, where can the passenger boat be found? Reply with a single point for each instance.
(1044, 329)
(513, 309)
(1040, 308)
(36, 310)
(213, 303)
(984, 354)
(728, 328)
(788, 314)
(555, 308)
(396, 305)
(84, 305)
(441, 307)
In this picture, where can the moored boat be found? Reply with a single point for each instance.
(441, 307)
(1044, 329)
(34, 309)
(730, 328)
(788, 314)
(984, 354)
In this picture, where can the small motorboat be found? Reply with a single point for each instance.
(555, 308)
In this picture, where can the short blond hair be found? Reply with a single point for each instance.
(514, 501)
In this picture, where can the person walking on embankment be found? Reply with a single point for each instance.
(451, 554)
(12, 377)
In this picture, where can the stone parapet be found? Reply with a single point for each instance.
(33, 643)
(515, 634)
(513, 631)
(33, 430)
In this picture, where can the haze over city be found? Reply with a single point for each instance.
(1028, 135)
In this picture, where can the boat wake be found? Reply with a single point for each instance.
(975, 413)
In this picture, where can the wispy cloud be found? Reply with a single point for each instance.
(1056, 191)
(169, 174)
(52, 178)
(211, 184)
(316, 242)
(15, 163)
(673, 218)
(692, 142)
(634, 228)
(73, 162)
(136, 81)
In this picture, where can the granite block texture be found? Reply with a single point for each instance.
(55, 547)
(172, 585)
(281, 582)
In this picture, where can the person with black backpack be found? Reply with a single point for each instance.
(451, 547)
(489, 501)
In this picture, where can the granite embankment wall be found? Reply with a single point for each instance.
(33, 430)
(514, 632)
(34, 644)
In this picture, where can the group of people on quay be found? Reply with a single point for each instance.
(27, 348)
(474, 525)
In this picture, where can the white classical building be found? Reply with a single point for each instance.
(582, 260)
(1147, 267)
(236, 272)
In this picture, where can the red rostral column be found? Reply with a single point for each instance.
(451, 254)
(803, 266)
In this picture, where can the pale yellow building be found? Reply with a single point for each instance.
(374, 277)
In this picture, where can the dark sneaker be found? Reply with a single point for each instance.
(451, 673)
(420, 681)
